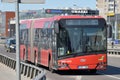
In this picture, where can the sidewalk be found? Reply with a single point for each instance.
(7, 73)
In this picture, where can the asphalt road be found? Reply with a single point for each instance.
(112, 72)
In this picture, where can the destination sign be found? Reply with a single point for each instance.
(81, 22)
(72, 11)
(79, 11)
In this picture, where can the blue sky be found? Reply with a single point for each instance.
(50, 4)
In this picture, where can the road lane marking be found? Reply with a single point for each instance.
(78, 78)
(113, 55)
(111, 76)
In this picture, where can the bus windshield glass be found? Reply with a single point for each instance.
(81, 39)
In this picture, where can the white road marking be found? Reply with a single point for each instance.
(113, 55)
(78, 78)
(111, 76)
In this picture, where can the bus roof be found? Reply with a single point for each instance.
(74, 16)
(39, 22)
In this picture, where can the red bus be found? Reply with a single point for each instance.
(69, 42)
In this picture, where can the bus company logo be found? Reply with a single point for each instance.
(101, 58)
(82, 60)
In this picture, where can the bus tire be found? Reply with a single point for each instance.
(24, 57)
(6, 50)
(35, 60)
(93, 71)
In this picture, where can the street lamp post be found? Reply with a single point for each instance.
(17, 40)
(115, 24)
(18, 28)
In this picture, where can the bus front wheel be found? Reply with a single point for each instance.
(93, 71)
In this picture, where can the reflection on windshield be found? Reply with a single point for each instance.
(81, 40)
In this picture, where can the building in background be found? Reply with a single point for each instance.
(110, 10)
(108, 7)
(0, 23)
(42, 13)
(4, 22)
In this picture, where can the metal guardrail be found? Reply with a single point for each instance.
(26, 69)
(113, 51)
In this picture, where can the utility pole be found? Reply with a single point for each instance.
(17, 40)
(18, 28)
(115, 23)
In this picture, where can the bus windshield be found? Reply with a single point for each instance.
(81, 40)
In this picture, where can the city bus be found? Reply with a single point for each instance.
(66, 42)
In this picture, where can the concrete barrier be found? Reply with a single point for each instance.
(29, 70)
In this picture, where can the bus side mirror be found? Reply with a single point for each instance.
(56, 26)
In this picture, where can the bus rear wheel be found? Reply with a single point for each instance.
(35, 61)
